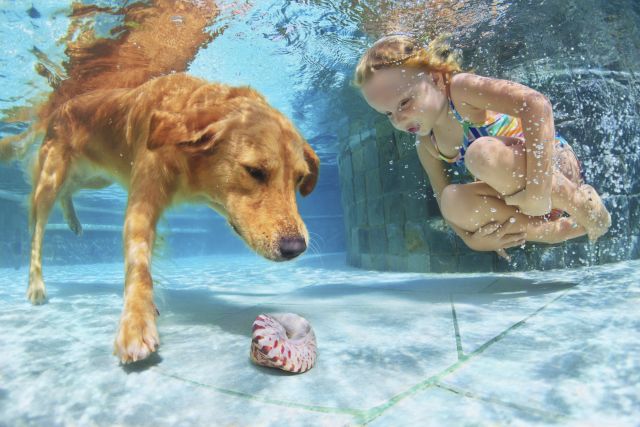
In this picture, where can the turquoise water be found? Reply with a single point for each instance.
(395, 349)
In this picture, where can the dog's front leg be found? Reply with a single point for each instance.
(138, 336)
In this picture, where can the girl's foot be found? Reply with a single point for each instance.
(590, 212)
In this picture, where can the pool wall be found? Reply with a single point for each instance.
(584, 57)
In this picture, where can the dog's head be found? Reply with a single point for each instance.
(247, 160)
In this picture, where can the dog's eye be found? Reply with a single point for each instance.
(299, 179)
(256, 173)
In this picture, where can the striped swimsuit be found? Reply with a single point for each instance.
(500, 124)
(497, 124)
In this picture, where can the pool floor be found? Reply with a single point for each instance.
(395, 349)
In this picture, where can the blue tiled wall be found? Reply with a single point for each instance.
(588, 64)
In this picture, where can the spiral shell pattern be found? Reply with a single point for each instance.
(285, 341)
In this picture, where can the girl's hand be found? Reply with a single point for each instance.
(495, 236)
(529, 204)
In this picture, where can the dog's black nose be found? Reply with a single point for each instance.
(291, 247)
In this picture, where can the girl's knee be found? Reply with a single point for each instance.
(482, 156)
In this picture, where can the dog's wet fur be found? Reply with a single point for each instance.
(170, 139)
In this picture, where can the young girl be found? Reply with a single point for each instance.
(501, 131)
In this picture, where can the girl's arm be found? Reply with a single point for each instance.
(490, 237)
(433, 166)
(536, 114)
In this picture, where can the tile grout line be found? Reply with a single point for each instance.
(456, 329)
(314, 408)
(549, 416)
(491, 283)
(377, 411)
(365, 416)
(516, 325)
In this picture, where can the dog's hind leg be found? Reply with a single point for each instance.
(50, 176)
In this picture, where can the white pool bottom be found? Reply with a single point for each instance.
(395, 349)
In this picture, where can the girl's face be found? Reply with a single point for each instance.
(408, 97)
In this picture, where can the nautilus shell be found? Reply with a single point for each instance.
(285, 341)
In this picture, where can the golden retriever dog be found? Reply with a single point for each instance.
(174, 139)
(126, 114)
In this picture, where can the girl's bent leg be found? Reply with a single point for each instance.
(501, 163)
(472, 206)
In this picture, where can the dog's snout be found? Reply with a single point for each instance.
(291, 247)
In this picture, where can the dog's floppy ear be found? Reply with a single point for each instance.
(193, 131)
(309, 181)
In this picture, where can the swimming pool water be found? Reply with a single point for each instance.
(394, 348)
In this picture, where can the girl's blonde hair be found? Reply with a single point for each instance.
(405, 51)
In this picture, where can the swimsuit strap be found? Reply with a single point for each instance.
(457, 115)
(470, 130)
(457, 157)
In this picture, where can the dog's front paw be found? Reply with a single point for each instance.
(35, 292)
(137, 336)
